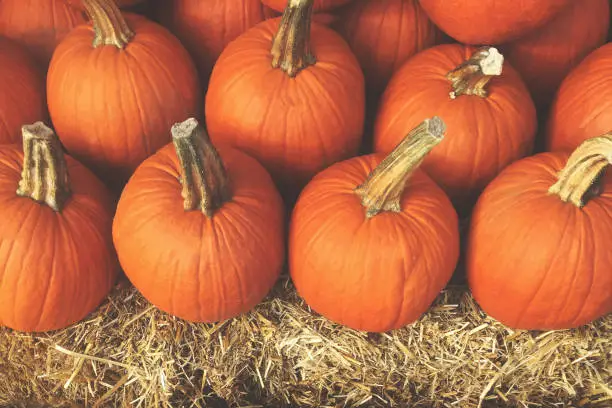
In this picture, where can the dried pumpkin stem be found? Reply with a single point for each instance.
(203, 177)
(44, 177)
(383, 189)
(473, 75)
(291, 45)
(579, 179)
(109, 25)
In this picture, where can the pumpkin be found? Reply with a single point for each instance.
(39, 25)
(115, 89)
(290, 95)
(22, 91)
(383, 35)
(373, 240)
(549, 272)
(219, 246)
(490, 115)
(120, 3)
(545, 56)
(491, 21)
(319, 5)
(59, 262)
(582, 107)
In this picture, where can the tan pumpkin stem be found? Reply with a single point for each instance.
(44, 177)
(473, 75)
(383, 189)
(109, 24)
(205, 182)
(291, 45)
(579, 179)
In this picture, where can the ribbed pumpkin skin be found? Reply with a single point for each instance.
(383, 35)
(319, 5)
(39, 25)
(491, 21)
(583, 105)
(377, 274)
(484, 134)
(294, 126)
(546, 56)
(540, 272)
(112, 109)
(56, 268)
(22, 91)
(193, 267)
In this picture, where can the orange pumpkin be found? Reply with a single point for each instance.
(290, 95)
(538, 255)
(489, 112)
(22, 91)
(319, 5)
(115, 89)
(369, 248)
(582, 107)
(545, 56)
(219, 246)
(59, 263)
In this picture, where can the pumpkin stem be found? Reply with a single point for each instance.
(109, 25)
(383, 189)
(291, 45)
(44, 177)
(203, 175)
(580, 178)
(473, 75)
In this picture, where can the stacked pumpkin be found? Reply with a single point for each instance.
(190, 140)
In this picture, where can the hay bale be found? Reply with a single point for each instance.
(130, 354)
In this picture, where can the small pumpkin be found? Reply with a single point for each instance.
(219, 247)
(116, 88)
(537, 256)
(319, 5)
(490, 115)
(59, 263)
(373, 239)
(22, 91)
(290, 95)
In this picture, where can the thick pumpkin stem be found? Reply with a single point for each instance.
(579, 179)
(205, 182)
(473, 75)
(44, 177)
(291, 45)
(109, 25)
(383, 189)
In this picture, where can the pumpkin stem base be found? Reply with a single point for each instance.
(473, 75)
(291, 45)
(109, 25)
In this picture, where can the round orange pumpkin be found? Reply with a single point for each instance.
(22, 91)
(218, 248)
(116, 88)
(59, 262)
(319, 5)
(538, 255)
(490, 115)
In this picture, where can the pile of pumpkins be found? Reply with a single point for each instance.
(202, 146)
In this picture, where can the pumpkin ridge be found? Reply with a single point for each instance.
(45, 298)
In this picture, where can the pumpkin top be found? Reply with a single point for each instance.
(471, 77)
(109, 25)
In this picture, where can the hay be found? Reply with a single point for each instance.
(130, 354)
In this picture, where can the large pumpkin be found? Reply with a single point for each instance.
(22, 91)
(582, 107)
(369, 248)
(115, 89)
(538, 254)
(59, 262)
(490, 115)
(491, 21)
(545, 56)
(219, 246)
(290, 95)
(319, 5)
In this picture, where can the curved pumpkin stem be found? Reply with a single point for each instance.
(291, 44)
(579, 179)
(109, 24)
(383, 189)
(473, 75)
(203, 177)
(44, 177)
